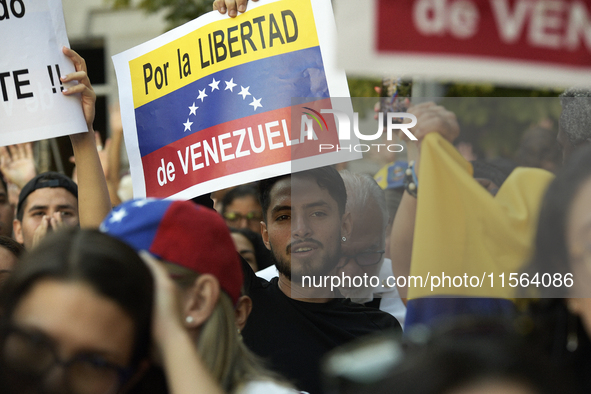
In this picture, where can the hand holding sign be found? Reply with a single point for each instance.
(434, 118)
(231, 6)
(211, 104)
(93, 195)
(88, 96)
(31, 106)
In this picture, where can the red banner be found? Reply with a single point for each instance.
(557, 31)
(517, 42)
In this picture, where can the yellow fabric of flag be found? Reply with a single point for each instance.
(462, 230)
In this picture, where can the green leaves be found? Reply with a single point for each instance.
(177, 11)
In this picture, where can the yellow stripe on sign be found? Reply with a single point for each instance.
(265, 31)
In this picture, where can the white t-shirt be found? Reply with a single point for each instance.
(268, 273)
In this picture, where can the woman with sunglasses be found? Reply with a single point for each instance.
(79, 316)
(76, 316)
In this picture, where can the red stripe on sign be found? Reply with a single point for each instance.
(248, 143)
(556, 32)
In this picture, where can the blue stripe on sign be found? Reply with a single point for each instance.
(274, 80)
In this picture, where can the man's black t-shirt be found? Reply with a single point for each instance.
(293, 336)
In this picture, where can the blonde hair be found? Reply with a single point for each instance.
(220, 344)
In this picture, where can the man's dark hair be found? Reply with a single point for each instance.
(326, 177)
(11, 245)
(468, 352)
(575, 118)
(239, 192)
(495, 173)
(41, 181)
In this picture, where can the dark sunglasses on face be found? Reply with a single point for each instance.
(30, 357)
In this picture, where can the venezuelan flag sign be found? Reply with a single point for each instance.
(210, 104)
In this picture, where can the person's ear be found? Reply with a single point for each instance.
(242, 311)
(201, 300)
(265, 235)
(346, 225)
(17, 228)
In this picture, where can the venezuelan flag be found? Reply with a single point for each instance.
(224, 103)
(461, 230)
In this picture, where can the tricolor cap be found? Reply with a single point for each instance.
(391, 176)
(182, 233)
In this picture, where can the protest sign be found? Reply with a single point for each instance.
(32, 106)
(518, 42)
(210, 104)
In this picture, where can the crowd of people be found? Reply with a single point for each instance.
(101, 293)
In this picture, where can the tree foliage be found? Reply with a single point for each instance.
(177, 11)
(492, 118)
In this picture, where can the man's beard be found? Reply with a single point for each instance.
(283, 265)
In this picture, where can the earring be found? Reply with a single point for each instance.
(189, 319)
(344, 239)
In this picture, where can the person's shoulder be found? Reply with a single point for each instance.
(380, 319)
(253, 283)
(264, 292)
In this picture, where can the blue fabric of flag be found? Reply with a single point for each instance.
(274, 80)
(432, 311)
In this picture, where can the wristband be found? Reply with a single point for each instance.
(411, 183)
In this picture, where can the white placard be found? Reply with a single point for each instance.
(32, 106)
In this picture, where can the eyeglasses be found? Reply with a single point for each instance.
(30, 356)
(366, 258)
(236, 217)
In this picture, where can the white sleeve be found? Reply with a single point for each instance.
(268, 273)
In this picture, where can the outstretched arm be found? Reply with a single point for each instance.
(93, 195)
(431, 118)
(114, 153)
(185, 371)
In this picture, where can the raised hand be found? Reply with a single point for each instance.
(17, 163)
(93, 195)
(83, 87)
(48, 224)
(433, 118)
(167, 317)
